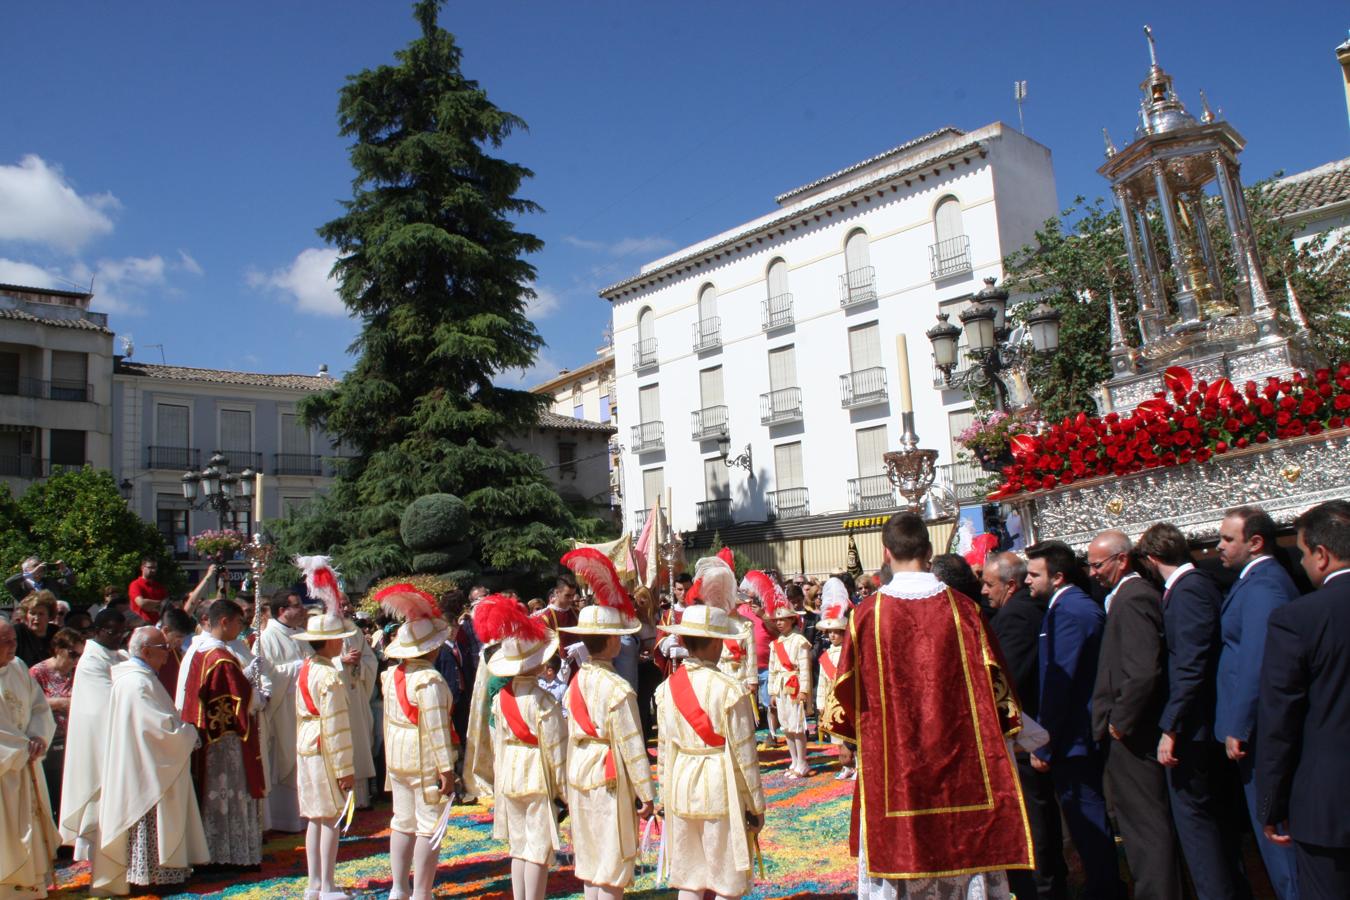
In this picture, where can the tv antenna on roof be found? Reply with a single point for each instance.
(1020, 94)
(160, 347)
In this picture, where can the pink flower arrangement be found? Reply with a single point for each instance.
(1188, 422)
(218, 545)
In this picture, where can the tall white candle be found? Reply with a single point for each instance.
(258, 501)
(902, 360)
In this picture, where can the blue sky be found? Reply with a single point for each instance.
(182, 155)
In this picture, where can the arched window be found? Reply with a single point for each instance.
(644, 352)
(778, 303)
(707, 303)
(856, 255)
(950, 253)
(858, 283)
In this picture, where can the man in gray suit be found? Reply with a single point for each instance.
(1127, 703)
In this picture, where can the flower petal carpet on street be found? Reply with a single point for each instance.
(804, 842)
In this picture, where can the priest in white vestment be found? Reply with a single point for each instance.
(284, 655)
(82, 774)
(360, 670)
(28, 836)
(150, 828)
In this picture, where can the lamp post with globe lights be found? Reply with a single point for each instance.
(991, 345)
(217, 487)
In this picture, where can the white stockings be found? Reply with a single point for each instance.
(321, 849)
(529, 881)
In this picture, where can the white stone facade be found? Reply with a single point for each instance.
(800, 310)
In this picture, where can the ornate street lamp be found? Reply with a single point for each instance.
(217, 487)
(992, 346)
(744, 461)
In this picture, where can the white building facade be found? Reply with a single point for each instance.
(776, 340)
(56, 359)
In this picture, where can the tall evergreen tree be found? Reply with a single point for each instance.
(433, 266)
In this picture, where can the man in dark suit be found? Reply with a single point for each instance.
(1070, 642)
(1195, 764)
(1302, 765)
(1126, 705)
(1017, 627)
(1246, 539)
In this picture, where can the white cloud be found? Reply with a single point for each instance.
(641, 246)
(27, 275)
(119, 285)
(544, 303)
(308, 280)
(544, 368)
(188, 264)
(38, 206)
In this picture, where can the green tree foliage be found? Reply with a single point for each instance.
(1078, 261)
(78, 516)
(433, 266)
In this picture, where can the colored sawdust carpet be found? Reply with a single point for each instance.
(804, 843)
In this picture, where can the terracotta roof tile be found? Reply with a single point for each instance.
(549, 419)
(222, 376)
(1305, 191)
(77, 323)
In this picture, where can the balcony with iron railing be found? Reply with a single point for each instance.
(639, 520)
(240, 460)
(648, 437)
(23, 467)
(871, 493)
(777, 312)
(644, 354)
(707, 334)
(862, 388)
(789, 503)
(297, 464)
(777, 407)
(714, 513)
(965, 479)
(950, 257)
(857, 286)
(38, 389)
(177, 458)
(709, 423)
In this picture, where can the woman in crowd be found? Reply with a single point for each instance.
(56, 675)
(33, 626)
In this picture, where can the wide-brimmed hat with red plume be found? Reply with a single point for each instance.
(423, 630)
(613, 611)
(759, 585)
(834, 606)
(716, 582)
(779, 607)
(524, 643)
(321, 583)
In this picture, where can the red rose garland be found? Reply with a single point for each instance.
(1189, 422)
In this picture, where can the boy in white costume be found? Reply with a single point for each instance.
(715, 586)
(28, 836)
(834, 609)
(714, 804)
(608, 772)
(323, 746)
(790, 682)
(419, 738)
(529, 740)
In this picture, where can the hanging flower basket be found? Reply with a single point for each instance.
(218, 546)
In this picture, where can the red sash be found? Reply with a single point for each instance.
(734, 648)
(511, 712)
(682, 692)
(308, 699)
(401, 692)
(785, 661)
(827, 666)
(581, 714)
(304, 689)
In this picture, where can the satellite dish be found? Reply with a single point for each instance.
(128, 346)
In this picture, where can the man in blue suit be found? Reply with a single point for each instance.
(1246, 540)
(1196, 766)
(1070, 641)
(1302, 766)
